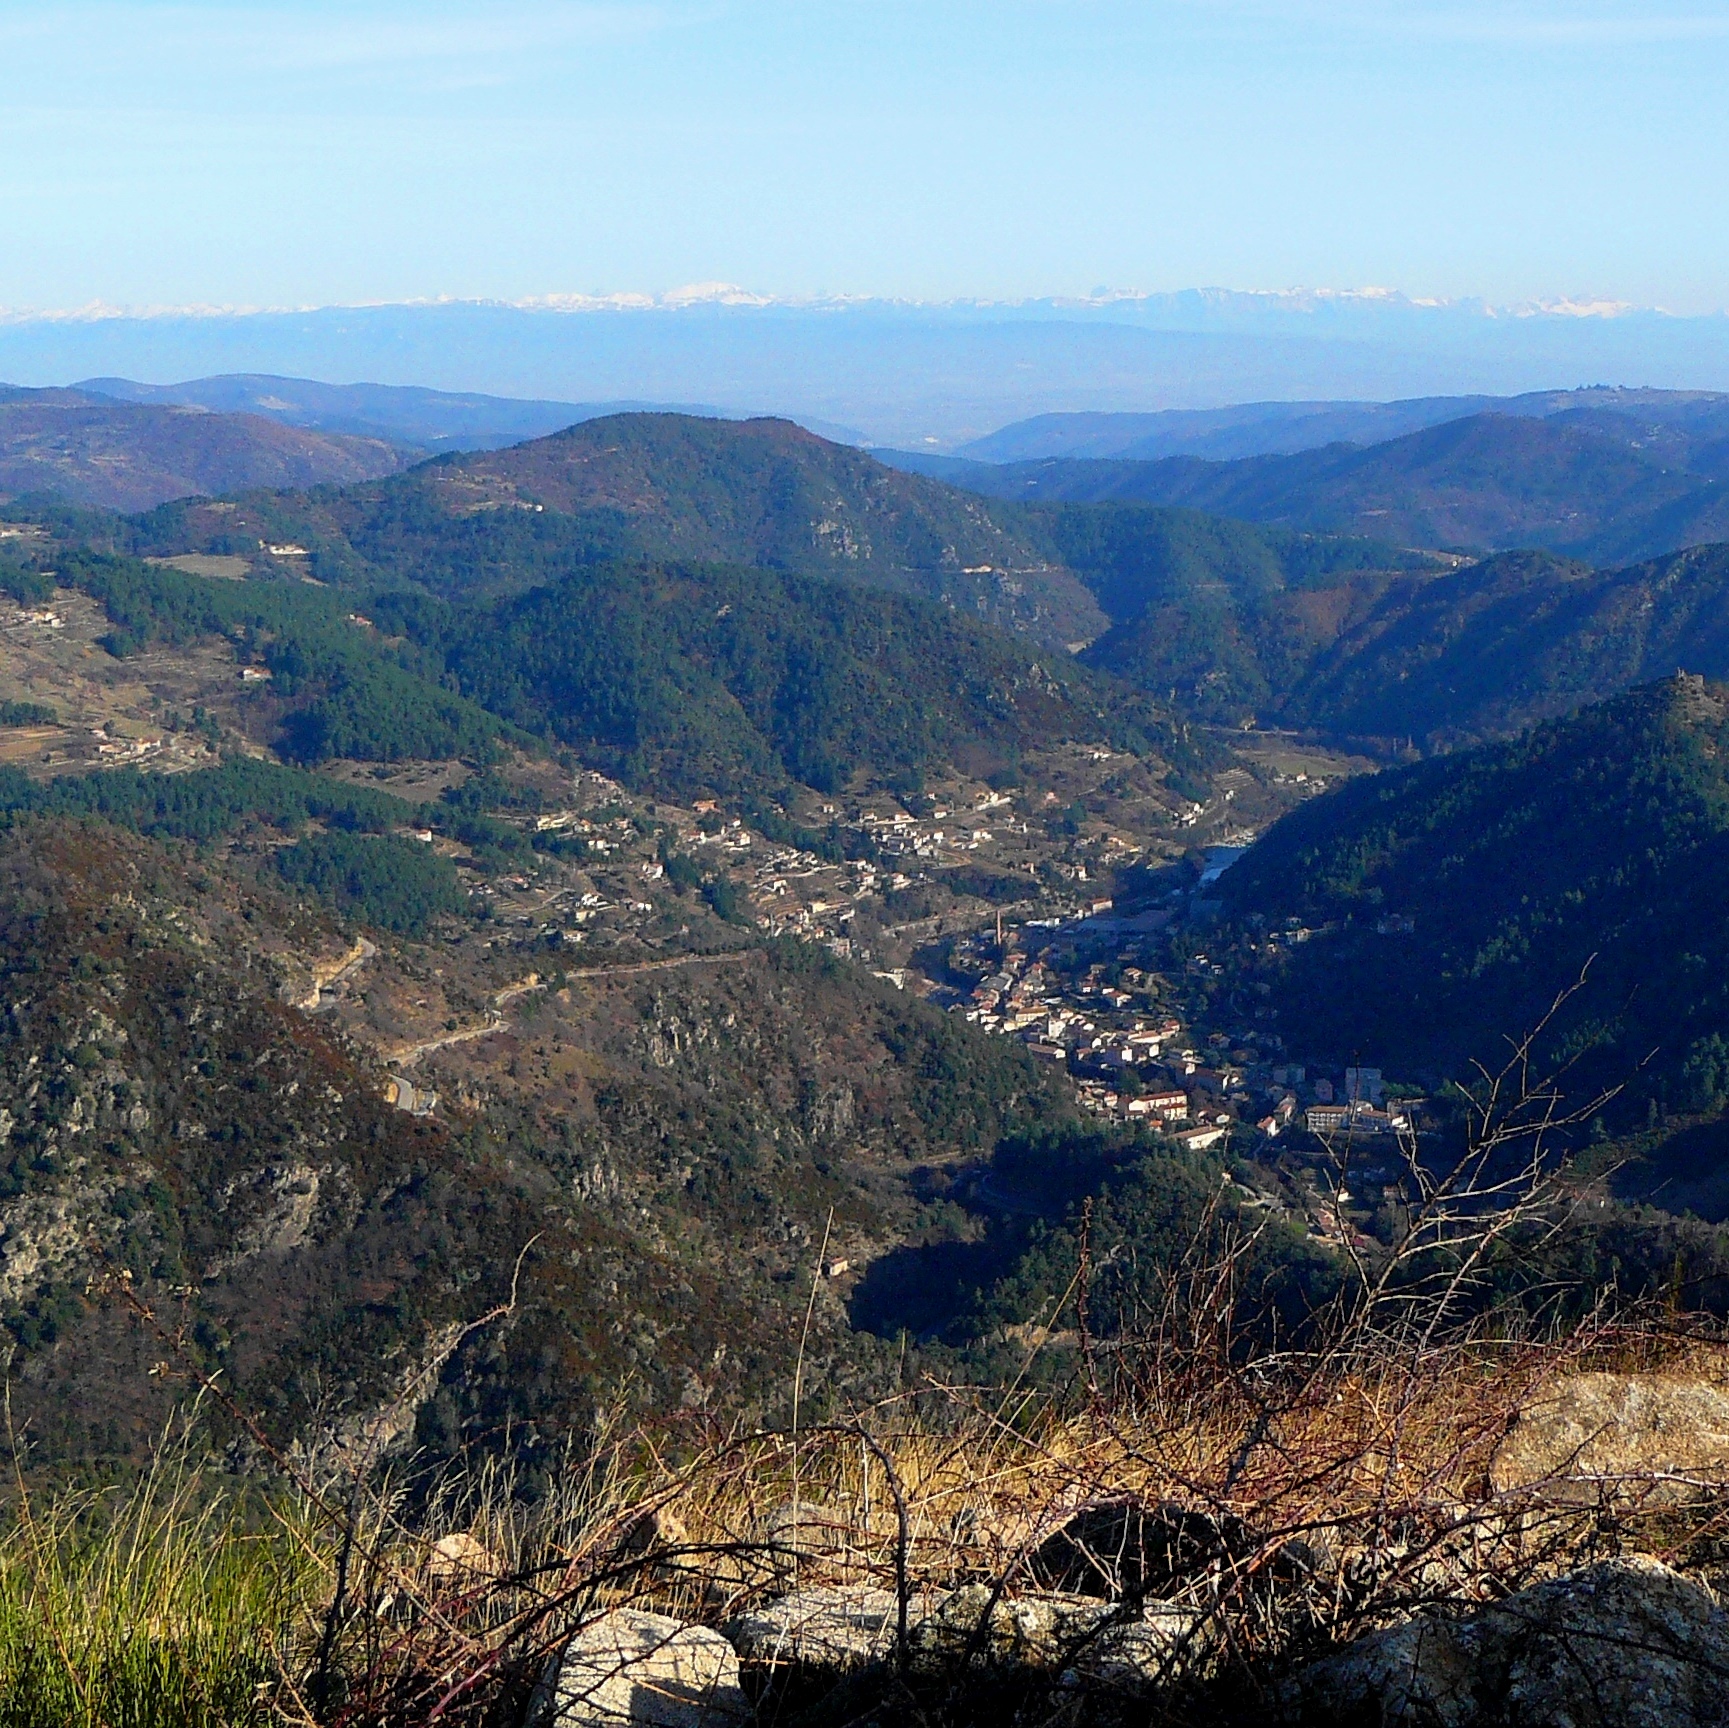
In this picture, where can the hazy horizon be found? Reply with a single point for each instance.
(691, 296)
(917, 375)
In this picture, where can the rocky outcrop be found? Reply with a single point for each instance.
(44, 1236)
(1623, 1644)
(823, 1626)
(1032, 1631)
(632, 1667)
(849, 1625)
(1626, 1643)
(283, 1200)
(366, 1436)
(1647, 1436)
(1074, 1641)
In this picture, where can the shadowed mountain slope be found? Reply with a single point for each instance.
(1221, 619)
(1460, 896)
(1488, 649)
(1432, 658)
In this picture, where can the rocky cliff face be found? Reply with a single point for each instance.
(176, 1135)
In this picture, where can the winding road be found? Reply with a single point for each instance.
(406, 1055)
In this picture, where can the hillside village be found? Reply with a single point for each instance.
(1094, 992)
(1064, 908)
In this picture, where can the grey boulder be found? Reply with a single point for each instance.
(1136, 1657)
(1649, 1437)
(633, 1667)
(822, 1625)
(1622, 1644)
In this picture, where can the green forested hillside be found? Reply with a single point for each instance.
(1130, 554)
(696, 677)
(336, 688)
(1218, 620)
(1285, 619)
(1227, 620)
(1223, 619)
(205, 805)
(682, 677)
(1598, 844)
(1215, 620)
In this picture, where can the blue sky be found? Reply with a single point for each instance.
(311, 153)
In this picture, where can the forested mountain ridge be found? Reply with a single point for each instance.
(1485, 650)
(769, 496)
(1132, 555)
(688, 679)
(709, 678)
(1221, 619)
(671, 668)
(1212, 619)
(1597, 485)
(1229, 621)
(759, 493)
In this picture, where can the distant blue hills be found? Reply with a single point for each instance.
(426, 420)
(911, 376)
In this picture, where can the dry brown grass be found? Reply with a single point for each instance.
(1301, 1498)
(1289, 1499)
(1315, 1503)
